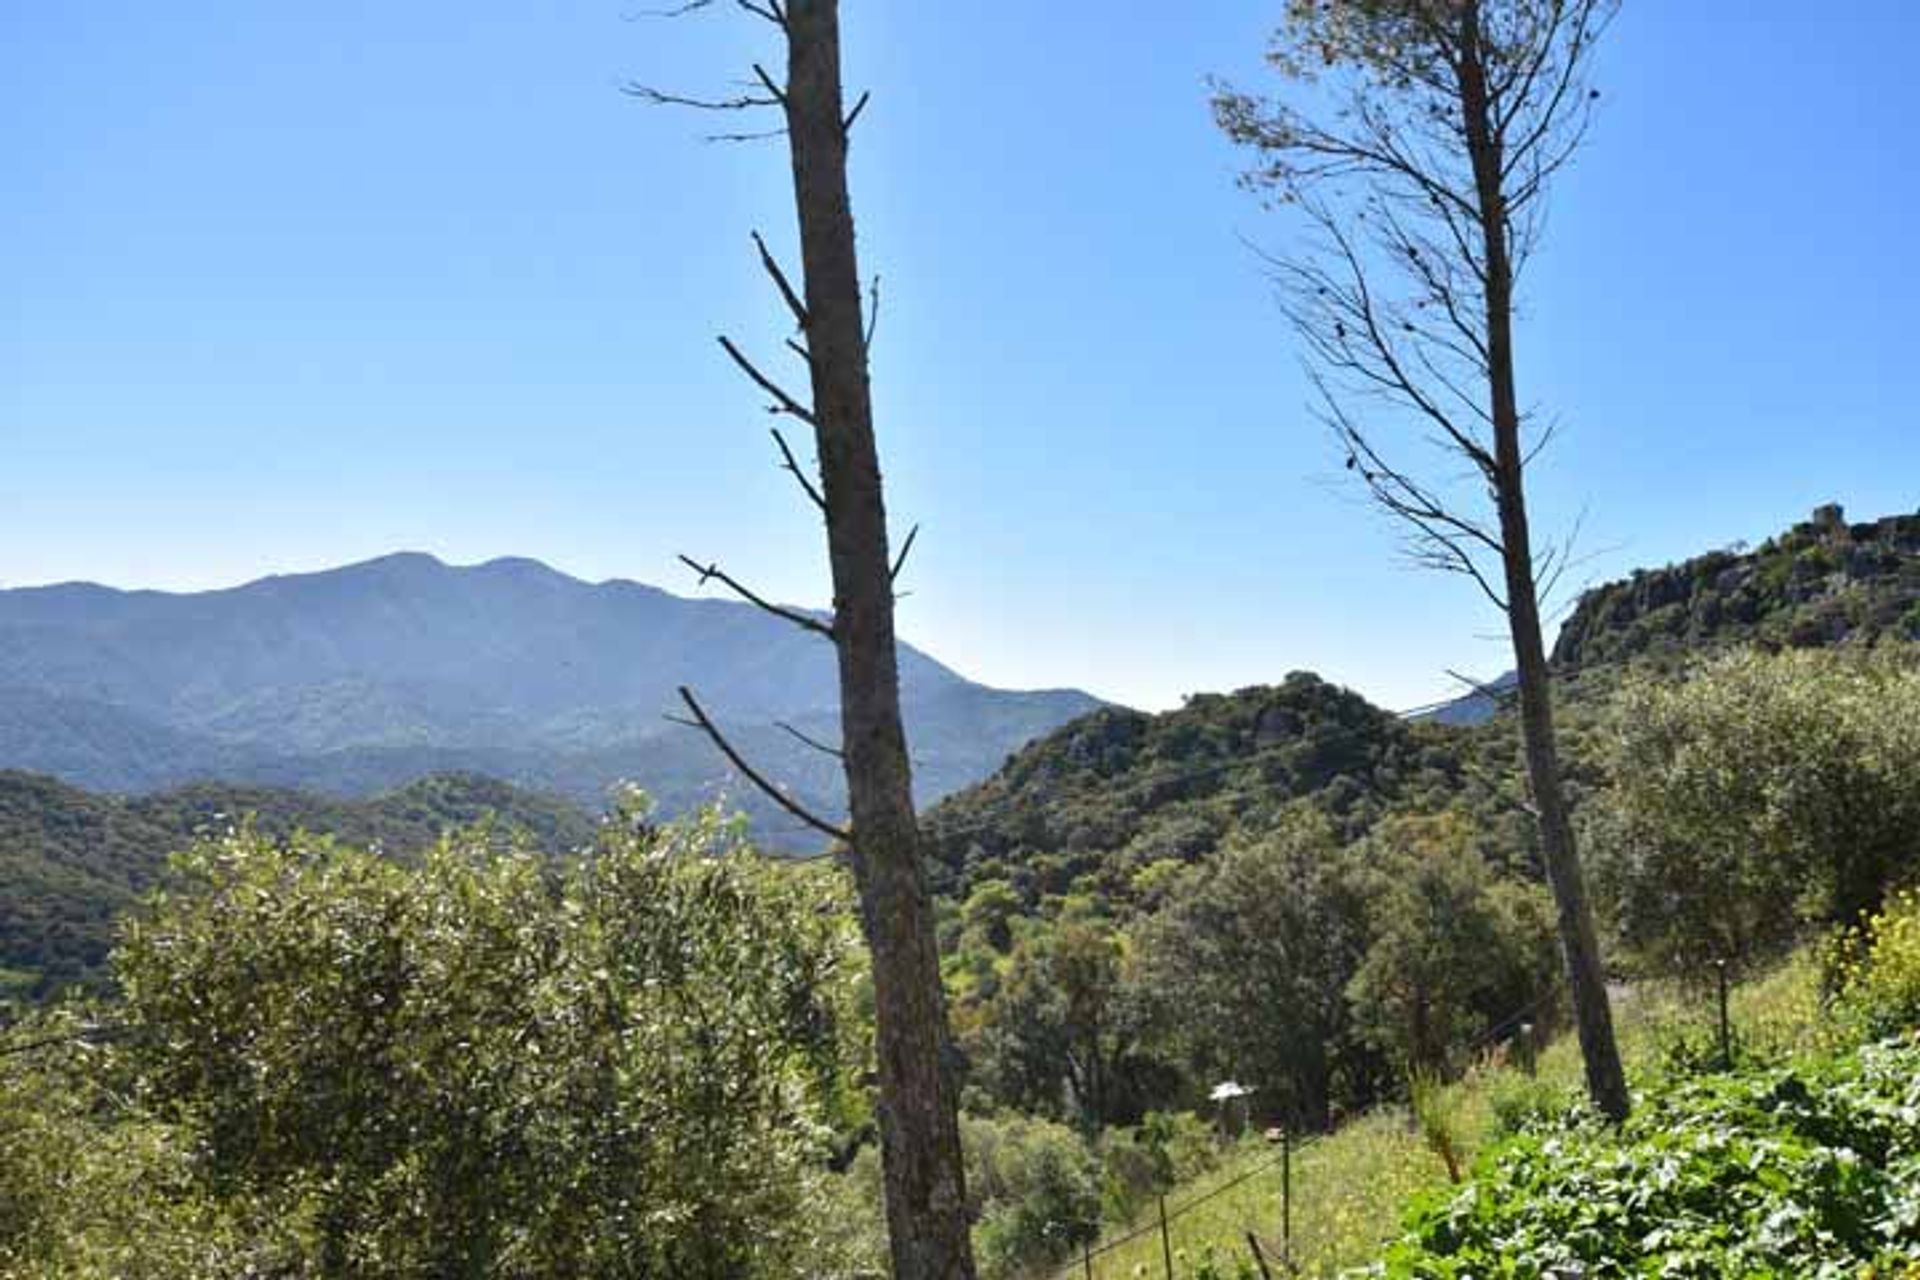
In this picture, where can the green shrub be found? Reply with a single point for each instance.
(1876, 970)
(1757, 796)
(1436, 1111)
(1165, 1150)
(1774, 1173)
(1520, 1102)
(484, 1065)
(1037, 1189)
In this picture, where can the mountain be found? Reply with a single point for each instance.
(1477, 706)
(72, 860)
(357, 679)
(1091, 806)
(1822, 582)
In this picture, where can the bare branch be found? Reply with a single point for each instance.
(873, 313)
(787, 292)
(811, 741)
(766, 82)
(790, 464)
(783, 402)
(906, 549)
(749, 135)
(661, 98)
(779, 797)
(846, 126)
(713, 573)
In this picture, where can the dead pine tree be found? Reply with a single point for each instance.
(1417, 144)
(920, 1140)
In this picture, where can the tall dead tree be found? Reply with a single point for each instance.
(920, 1140)
(1418, 144)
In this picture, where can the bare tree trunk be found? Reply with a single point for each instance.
(1586, 980)
(920, 1139)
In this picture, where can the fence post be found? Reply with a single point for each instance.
(1259, 1258)
(1166, 1241)
(1286, 1197)
(1726, 1028)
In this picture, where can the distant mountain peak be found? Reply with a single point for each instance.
(360, 677)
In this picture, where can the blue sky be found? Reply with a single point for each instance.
(290, 285)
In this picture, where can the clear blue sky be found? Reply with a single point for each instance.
(283, 286)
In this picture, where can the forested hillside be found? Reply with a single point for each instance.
(72, 861)
(1091, 806)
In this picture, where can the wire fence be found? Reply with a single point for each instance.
(1277, 1254)
(1289, 1146)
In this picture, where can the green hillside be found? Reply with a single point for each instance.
(1086, 808)
(72, 860)
(1822, 582)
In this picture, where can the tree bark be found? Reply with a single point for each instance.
(1586, 979)
(920, 1139)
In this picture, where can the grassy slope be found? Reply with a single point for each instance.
(1349, 1188)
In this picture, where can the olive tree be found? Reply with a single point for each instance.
(1755, 796)
(487, 1066)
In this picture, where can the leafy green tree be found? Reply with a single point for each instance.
(1757, 794)
(1036, 1191)
(1246, 965)
(1454, 949)
(487, 1065)
(1062, 1035)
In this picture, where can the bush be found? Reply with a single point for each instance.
(482, 1066)
(1876, 970)
(1759, 795)
(1037, 1189)
(1166, 1149)
(1811, 1172)
(1521, 1102)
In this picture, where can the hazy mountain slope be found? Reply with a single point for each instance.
(361, 677)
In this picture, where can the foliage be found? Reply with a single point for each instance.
(73, 861)
(1246, 965)
(1055, 1039)
(1759, 793)
(1875, 969)
(1165, 1149)
(94, 1187)
(1820, 584)
(1810, 1171)
(1101, 807)
(1434, 1111)
(1453, 949)
(481, 1065)
(1037, 1187)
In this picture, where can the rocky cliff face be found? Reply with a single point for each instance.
(1823, 582)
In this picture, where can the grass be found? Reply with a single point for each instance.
(1350, 1187)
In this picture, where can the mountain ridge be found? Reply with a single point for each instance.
(361, 676)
